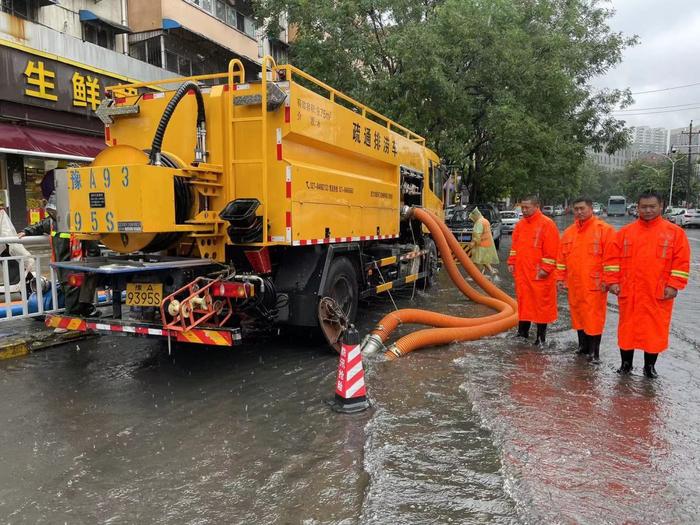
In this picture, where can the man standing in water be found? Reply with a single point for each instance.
(654, 259)
(585, 261)
(532, 261)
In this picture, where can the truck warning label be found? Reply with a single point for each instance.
(129, 226)
(97, 199)
(332, 188)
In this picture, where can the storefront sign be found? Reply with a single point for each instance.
(40, 81)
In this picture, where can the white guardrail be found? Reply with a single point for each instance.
(18, 272)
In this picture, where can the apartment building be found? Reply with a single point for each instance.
(645, 140)
(616, 161)
(192, 37)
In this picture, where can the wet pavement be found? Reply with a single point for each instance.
(115, 430)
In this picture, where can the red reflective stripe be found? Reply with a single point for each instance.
(287, 114)
(288, 219)
(108, 134)
(148, 96)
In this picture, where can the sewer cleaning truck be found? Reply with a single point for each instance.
(230, 206)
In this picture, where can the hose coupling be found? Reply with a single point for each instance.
(393, 352)
(372, 344)
(406, 212)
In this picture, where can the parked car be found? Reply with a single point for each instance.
(597, 208)
(673, 214)
(509, 219)
(558, 210)
(548, 210)
(462, 227)
(690, 218)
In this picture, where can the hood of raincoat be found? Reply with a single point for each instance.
(475, 215)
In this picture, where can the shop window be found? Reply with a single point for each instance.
(27, 9)
(99, 35)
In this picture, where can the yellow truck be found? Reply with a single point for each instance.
(232, 205)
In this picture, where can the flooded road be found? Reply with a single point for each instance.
(115, 430)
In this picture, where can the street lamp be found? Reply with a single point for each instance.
(673, 171)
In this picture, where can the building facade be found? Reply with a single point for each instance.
(645, 140)
(57, 58)
(614, 162)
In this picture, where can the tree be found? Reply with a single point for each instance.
(644, 175)
(500, 88)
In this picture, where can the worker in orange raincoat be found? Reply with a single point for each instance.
(532, 262)
(654, 261)
(585, 251)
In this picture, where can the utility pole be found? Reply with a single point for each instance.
(688, 181)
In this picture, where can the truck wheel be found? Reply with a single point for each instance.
(430, 264)
(341, 285)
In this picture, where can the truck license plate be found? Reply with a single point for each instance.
(144, 294)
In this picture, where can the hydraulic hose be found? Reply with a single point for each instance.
(157, 144)
(448, 328)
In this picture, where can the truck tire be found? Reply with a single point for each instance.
(341, 285)
(430, 265)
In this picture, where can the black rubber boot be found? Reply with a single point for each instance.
(594, 348)
(627, 356)
(524, 329)
(649, 362)
(541, 333)
(583, 344)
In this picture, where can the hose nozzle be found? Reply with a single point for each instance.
(372, 344)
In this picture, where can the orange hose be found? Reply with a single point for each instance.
(449, 328)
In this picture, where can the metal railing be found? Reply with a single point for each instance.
(44, 281)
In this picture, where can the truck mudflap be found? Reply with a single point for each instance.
(204, 336)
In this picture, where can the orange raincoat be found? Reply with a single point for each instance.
(585, 251)
(652, 255)
(534, 248)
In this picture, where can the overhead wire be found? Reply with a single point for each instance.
(656, 107)
(665, 89)
(655, 112)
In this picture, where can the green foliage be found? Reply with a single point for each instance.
(640, 176)
(500, 88)
(599, 184)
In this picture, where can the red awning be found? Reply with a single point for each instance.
(42, 142)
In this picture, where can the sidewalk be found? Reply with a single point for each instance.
(22, 336)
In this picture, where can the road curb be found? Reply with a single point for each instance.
(21, 346)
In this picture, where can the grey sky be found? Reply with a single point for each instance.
(668, 55)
